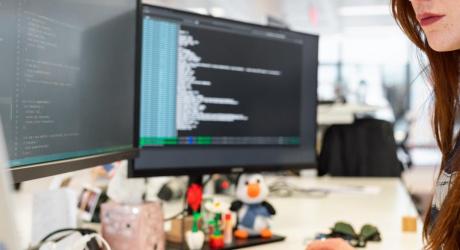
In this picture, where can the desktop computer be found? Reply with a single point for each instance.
(220, 96)
(67, 86)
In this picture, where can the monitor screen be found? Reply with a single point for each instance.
(217, 93)
(67, 81)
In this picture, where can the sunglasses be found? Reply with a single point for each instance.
(345, 231)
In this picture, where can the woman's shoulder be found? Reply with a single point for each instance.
(441, 190)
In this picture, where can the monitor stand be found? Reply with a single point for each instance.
(237, 243)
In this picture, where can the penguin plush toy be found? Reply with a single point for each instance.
(253, 212)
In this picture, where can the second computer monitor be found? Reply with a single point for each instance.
(218, 95)
(67, 84)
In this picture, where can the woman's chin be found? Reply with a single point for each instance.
(443, 45)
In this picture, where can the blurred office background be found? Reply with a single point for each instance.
(364, 59)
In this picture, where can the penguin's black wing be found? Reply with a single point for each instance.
(236, 205)
(269, 207)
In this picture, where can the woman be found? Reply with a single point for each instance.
(434, 27)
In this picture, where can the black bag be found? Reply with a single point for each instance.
(365, 148)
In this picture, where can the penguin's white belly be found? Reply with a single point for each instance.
(261, 223)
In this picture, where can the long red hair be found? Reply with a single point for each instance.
(443, 72)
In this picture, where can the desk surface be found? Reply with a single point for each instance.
(301, 218)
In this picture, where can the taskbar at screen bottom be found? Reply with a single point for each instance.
(211, 140)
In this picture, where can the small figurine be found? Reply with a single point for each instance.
(228, 229)
(217, 208)
(195, 237)
(252, 210)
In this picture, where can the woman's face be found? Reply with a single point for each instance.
(440, 21)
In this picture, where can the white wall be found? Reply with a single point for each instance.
(254, 11)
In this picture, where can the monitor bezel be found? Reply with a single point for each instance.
(222, 167)
(46, 169)
(36, 171)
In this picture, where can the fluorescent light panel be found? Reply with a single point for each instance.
(372, 29)
(214, 11)
(202, 11)
(367, 10)
(217, 12)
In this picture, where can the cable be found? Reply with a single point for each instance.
(206, 181)
(82, 243)
(104, 242)
(176, 215)
(87, 236)
(184, 206)
(282, 188)
(83, 231)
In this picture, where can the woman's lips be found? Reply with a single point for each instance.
(429, 18)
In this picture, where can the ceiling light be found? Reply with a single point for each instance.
(217, 12)
(372, 29)
(202, 11)
(367, 10)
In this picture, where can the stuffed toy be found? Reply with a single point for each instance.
(252, 209)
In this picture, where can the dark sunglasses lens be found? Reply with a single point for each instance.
(369, 232)
(344, 228)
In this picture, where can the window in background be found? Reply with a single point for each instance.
(329, 67)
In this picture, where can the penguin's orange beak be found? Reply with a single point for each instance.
(253, 190)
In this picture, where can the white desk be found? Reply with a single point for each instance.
(301, 218)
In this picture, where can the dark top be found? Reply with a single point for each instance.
(443, 184)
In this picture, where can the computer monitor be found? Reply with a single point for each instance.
(67, 85)
(221, 96)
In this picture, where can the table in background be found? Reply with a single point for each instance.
(329, 114)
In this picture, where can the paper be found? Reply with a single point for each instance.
(53, 210)
(348, 189)
(8, 230)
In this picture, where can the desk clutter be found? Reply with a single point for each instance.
(247, 217)
(196, 220)
(123, 227)
(301, 227)
(221, 225)
(107, 217)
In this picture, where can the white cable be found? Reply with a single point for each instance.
(104, 242)
(81, 243)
